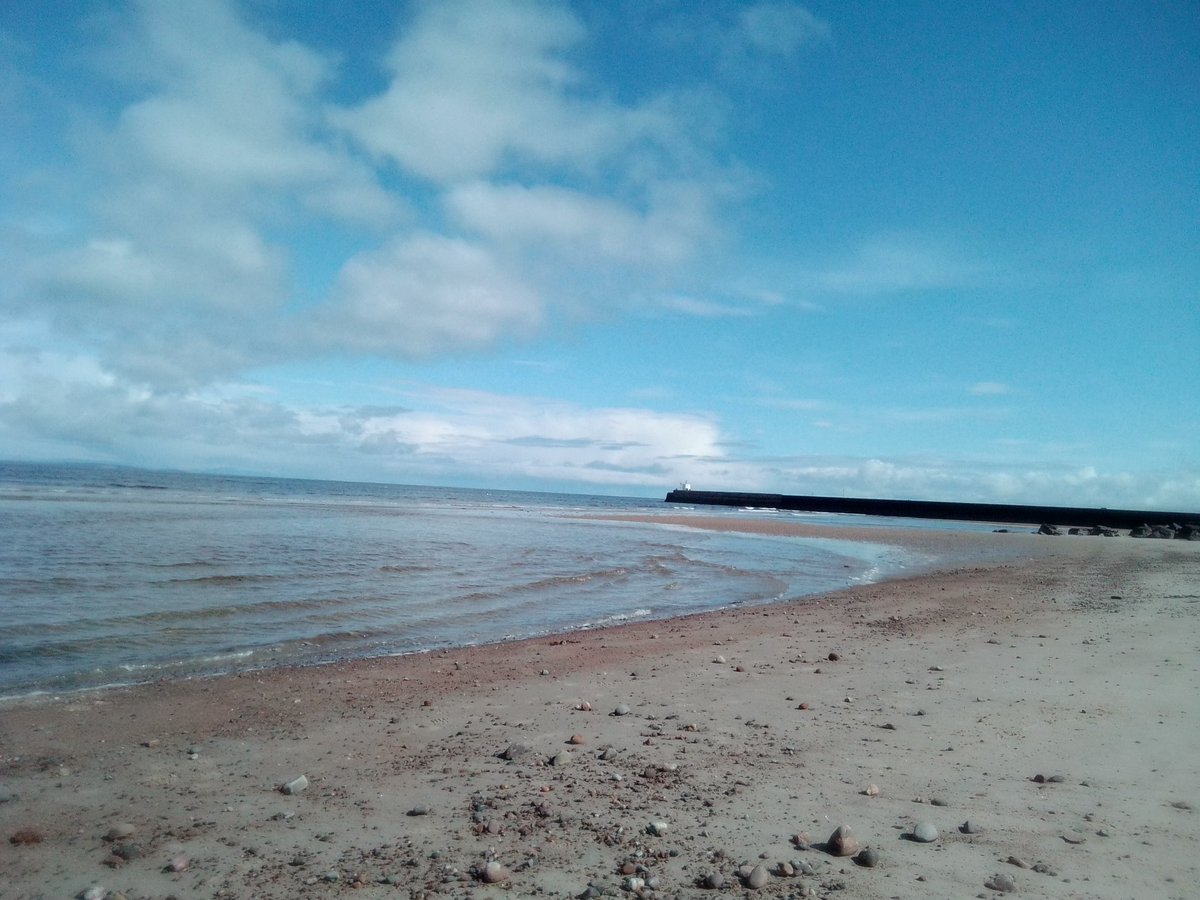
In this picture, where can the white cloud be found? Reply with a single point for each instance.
(579, 225)
(778, 28)
(898, 263)
(481, 83)
(990, 389)
(424, 295)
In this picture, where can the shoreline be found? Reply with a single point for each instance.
(1054, 643)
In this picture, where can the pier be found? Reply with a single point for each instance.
(1000, 513)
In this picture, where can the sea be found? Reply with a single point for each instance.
(112, 575)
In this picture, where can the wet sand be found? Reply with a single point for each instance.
(751, 734)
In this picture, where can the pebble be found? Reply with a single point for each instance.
(969, 827)
(714, 881)
(719, 659)
(120, 831)
(872, 790)
(95, 892)
(127, 852)
(576, 739)
(843, 842)
(634, 883)
(494, 873)
(179, 864)
(868, 858)
(561, 758)
(584, 706)
(1001, 882)
(1018, 862)
(658, 829)
(622, 710)
(758, 877)
(512, 751)
(924, 833)
(295, 786)
(419, 811)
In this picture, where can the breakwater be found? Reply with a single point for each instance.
(1003, 513)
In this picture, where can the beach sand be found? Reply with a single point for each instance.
(1045, 692)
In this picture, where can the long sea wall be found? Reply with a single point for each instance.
(934, 509)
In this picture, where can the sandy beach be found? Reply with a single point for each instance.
(1029, 705)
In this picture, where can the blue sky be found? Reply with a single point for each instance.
(930, 250)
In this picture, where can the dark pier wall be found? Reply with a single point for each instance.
(932, 509)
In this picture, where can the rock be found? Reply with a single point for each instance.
(969, 827)
(576, 739)
(494, 873)
(633, 883)
(1048, 529)
(512, 751)
(872, 790)
(719, 659)
(758, 877)
(119, 832)
(1018, 862)
(583, 706)
(561, 758)
(785, 869)
(937, 801)
(833, 657)
(658, 829)
(127, 852)
(178, 864)
(419, 811)
(868, 857)
(622, 710)
(713, 881)
(924, 833)
(95, 892)
(295, 786)
(26, 836)
(1001, 882)
(843, 842)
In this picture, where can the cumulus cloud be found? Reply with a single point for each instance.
(231, 219)
(424, 295)
(579, 225)
(482, 84)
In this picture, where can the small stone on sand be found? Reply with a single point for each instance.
(758, 877)
(295, 786)
(843, 842)
(1001, 882)
(868, 858)
(924, 833)
(494, 873)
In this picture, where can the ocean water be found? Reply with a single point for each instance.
(112, 575)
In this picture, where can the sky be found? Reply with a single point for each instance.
(927, 250)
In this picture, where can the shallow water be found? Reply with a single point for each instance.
(113, 575)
